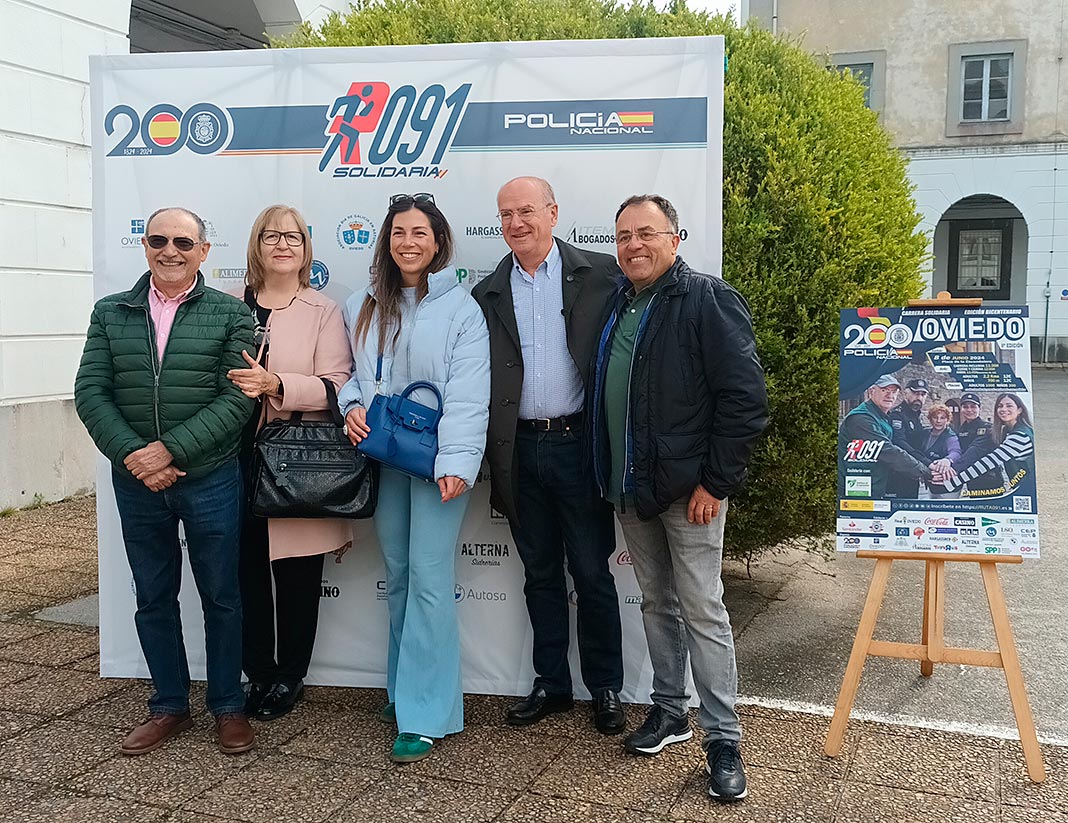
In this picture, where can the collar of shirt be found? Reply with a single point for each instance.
(162, 299)
(551, 266)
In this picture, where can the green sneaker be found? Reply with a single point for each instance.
(408, 747)
(388, 713)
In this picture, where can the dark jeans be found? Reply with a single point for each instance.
(209, 508)
(562, 515)
(298, 583)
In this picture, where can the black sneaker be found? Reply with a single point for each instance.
(659, 729)
(726, 773)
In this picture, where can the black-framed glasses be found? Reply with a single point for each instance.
(160, 241)
(645, 235)
(404, 201)
(270, 237)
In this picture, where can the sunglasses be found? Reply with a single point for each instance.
(159, 241)
(403, 201)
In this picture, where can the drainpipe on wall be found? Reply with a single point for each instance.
(1045, 330)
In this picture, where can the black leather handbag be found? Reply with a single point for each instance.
(303, 468)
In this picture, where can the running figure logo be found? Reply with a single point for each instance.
(353, 114)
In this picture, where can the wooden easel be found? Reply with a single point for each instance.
(932, 649)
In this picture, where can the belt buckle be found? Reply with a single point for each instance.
(543, 424)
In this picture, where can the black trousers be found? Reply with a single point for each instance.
(295, 603)
(562, 515)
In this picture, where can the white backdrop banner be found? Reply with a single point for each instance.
(335, 132)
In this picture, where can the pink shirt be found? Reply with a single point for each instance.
(163, 310)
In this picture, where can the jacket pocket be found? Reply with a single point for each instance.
(679, 458)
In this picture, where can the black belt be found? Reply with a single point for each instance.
(555, 424)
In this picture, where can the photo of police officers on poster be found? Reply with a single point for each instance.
(936, 433)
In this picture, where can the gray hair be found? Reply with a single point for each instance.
(202, 231)
(661, 203)
(541, 182)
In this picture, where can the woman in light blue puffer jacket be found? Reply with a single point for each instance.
(427, 327)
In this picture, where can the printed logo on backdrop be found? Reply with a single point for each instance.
(485, 554)
(212, 235)
(165, 129)
(487, 231)
(320, 275)
(380, 590)
(623, 558)
(375, 131)
(461, 594)
(661, 123)
(329, 591)
(469, 277)
(137, 231)
(356, 233)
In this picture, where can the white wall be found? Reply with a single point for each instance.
(45, 258)
(1028, 177)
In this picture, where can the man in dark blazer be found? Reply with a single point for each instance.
(542, 306)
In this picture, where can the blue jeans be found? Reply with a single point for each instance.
(562, 515)
(678, 566)
(209, 508)
(417, 534)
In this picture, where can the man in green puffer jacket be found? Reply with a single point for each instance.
(153, 393)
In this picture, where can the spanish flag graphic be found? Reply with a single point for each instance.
(164, 129)
(635, 118)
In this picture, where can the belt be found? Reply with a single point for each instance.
(555, 424)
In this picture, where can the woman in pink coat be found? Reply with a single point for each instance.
(300, 338)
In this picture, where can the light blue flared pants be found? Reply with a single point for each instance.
(417, 533)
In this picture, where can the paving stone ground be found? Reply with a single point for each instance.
(60, 726)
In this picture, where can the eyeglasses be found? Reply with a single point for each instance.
(273, 238)
(403, 201)
(524, 214)
(645, 235)
(159, 241)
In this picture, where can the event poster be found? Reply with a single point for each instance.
(936, 429)
(336, 132)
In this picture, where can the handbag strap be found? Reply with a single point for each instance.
(331, 406)
(423, 384)
(331, 400)
(378, 376)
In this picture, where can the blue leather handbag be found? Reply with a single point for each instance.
(404, 434)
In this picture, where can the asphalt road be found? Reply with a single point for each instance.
(795, 620)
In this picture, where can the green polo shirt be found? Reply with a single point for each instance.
(617, 383)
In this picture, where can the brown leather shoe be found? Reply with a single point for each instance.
(154, 732)
(235, 733)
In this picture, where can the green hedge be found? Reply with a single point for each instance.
(817, 214)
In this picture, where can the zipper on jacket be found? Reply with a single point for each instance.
(153, 354)
(628, 468)
(157, 363)
(598, 390)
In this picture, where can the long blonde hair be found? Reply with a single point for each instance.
(255, 270)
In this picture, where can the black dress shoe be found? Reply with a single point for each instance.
(280, 700)
(254, 694)
(608, 714)
(537, 705)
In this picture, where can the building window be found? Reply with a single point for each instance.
(985, 85)
(869, 67)
(863, 72)
(980, 258)
(986, 88)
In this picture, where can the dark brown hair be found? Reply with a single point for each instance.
(386, 277)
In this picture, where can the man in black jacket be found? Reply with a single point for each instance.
(542, 306)
(679, 403)
(910, 435)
